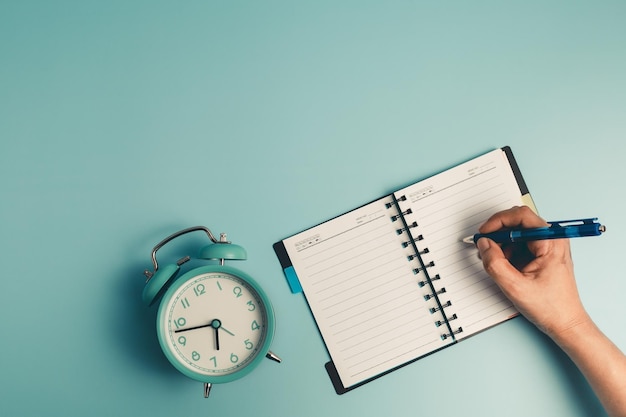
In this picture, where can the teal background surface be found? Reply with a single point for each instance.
(124, 121)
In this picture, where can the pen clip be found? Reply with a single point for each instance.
(566, 223)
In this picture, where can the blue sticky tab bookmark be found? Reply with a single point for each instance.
(292, 280)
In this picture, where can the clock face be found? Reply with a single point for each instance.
(213, 325)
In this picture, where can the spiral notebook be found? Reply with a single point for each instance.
(391, 281)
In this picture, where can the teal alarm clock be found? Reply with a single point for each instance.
(215, 324)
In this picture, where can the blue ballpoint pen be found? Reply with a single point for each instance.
(557, 230)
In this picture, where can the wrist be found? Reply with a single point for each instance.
(570, 333)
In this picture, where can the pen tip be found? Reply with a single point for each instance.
(468, 239)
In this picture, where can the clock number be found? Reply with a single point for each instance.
(180, 322)
(214, 359)
(234, 358)
(237, 291)
(219, 286)
(199, 290)
(248, 344)
(185, 302)
(255, 325)
(251, 306)
(182, 340)
(195, 356)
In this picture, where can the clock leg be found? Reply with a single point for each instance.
(207, 389)
(271, 355)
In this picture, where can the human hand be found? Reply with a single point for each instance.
(538, 276)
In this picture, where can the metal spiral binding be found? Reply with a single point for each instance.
(411, 257)
(403, 213)
(427, 280)
(447, 335)
(417, 270)
(417, 239)
(423, 283)
(444, 305)
(390, 205)
(440, 322)
(429, 296)
(404, 229)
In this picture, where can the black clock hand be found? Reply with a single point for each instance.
(216, 324)
(192, 328)
(212, 324)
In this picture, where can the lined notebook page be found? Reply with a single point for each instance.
(448, 207)
(363, 293)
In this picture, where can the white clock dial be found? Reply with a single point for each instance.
(214, 324)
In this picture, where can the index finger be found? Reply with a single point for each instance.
(515, 217)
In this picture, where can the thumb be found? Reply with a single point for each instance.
(495, 263)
